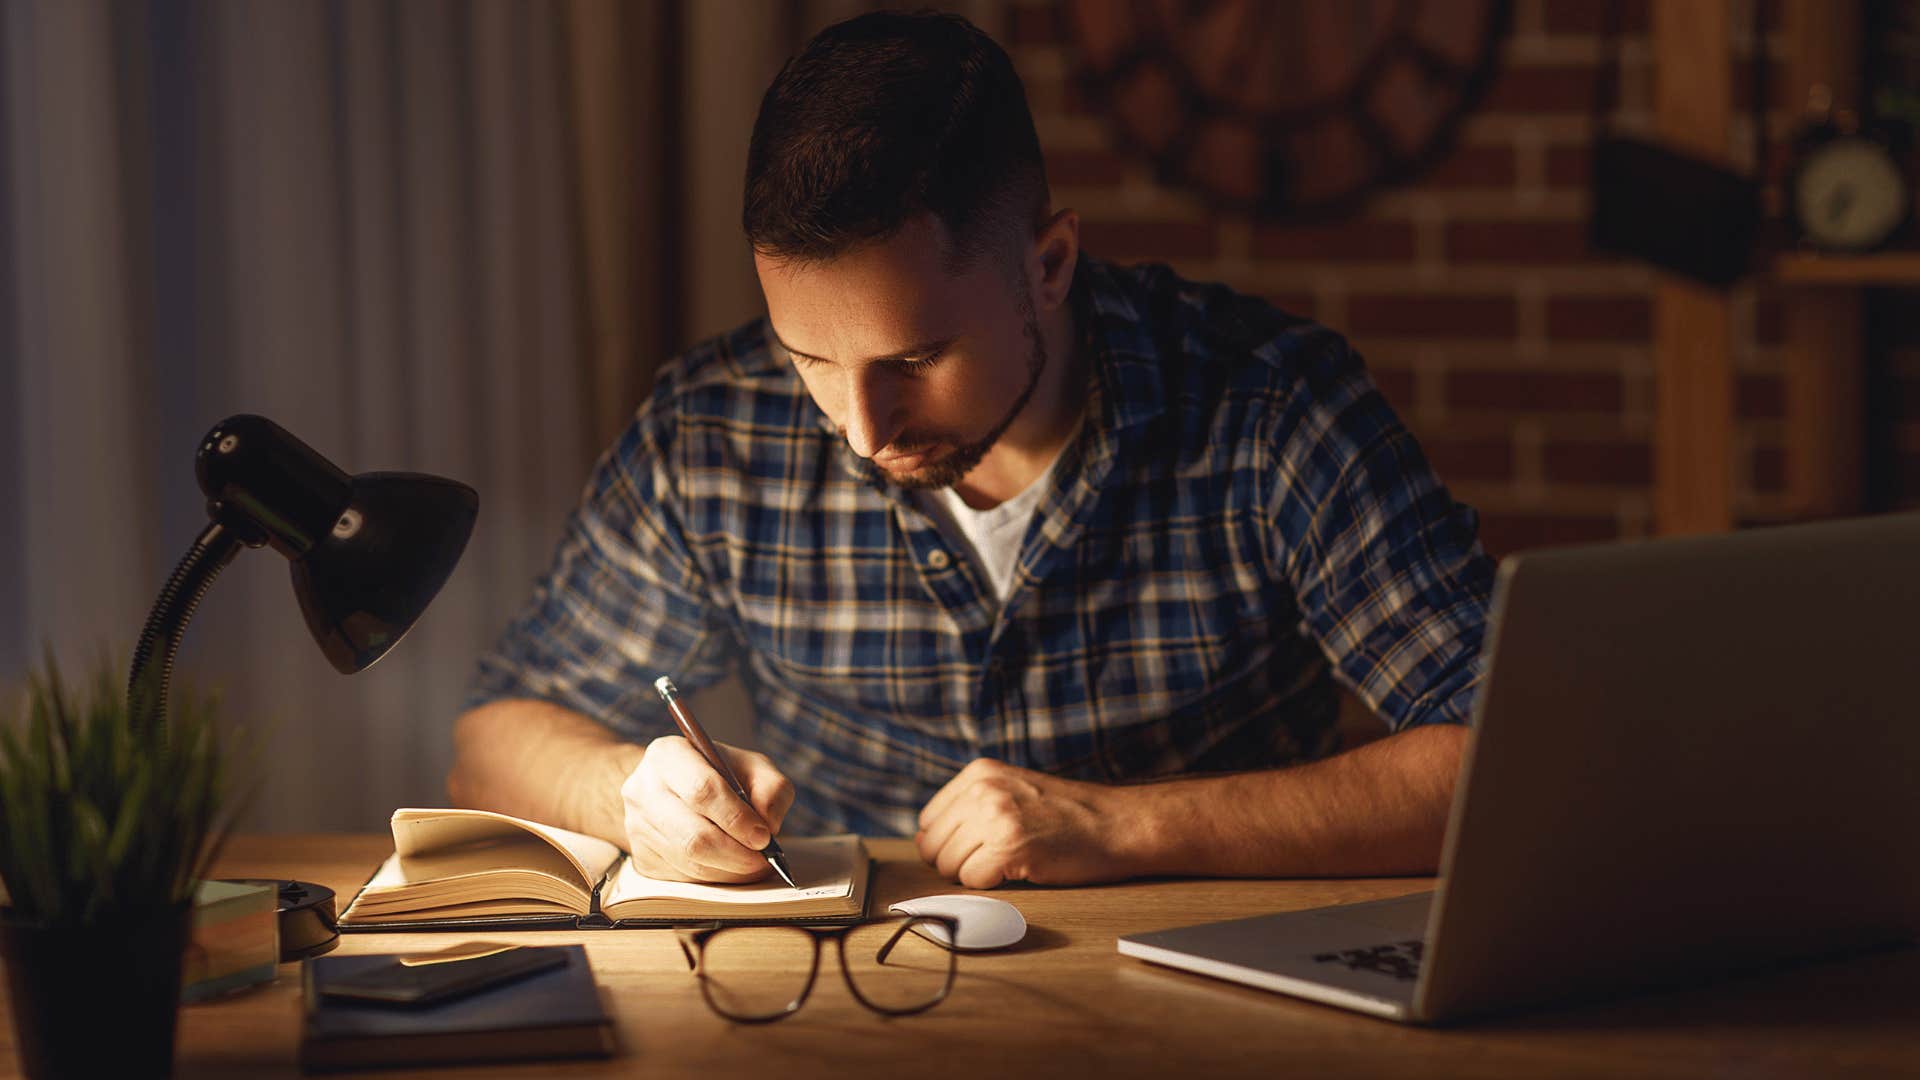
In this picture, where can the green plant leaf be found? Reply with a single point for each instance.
(101, 806)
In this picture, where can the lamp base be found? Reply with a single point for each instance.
(306, 917)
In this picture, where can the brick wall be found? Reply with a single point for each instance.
(1520, 360)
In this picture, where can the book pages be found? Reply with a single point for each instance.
(392, 889)
(425, 839)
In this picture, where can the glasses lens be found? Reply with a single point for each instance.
(895, 967)
(754, 972)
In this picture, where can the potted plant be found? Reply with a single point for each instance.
(109, 815)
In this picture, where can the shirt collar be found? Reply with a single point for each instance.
(1119, 348)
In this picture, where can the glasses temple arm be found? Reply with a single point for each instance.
(881, 956)
(952, 926)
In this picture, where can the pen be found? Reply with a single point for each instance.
(692, 730)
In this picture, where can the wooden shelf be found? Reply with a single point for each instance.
(1884, 268)
(1822, 302)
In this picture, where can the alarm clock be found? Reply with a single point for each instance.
(1847, 192)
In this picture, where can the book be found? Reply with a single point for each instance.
(551, 1014)
(235, 942)
(476, 869)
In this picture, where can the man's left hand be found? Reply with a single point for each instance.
(996, 822)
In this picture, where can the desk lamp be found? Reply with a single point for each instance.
(368, 553)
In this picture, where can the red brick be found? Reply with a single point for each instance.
(1388, 315)
(1588, 16)
(1537, 89)
(1148, 239)
(1523, 242)
(1759, 397)
(1078, 100)
(1611, 463)
(1505, 533)
(1356, 241)
(1599, 318)
(1396, 385)
(1472, 167)
(1480, 460)
(1769, 469)
(1034, 24)
(1568, 166)
(1769, 321)
(1535, 391)
(1293, 303)
(1084, 168)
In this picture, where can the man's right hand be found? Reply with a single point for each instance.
(684, 823)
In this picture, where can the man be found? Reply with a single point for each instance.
(995, 533)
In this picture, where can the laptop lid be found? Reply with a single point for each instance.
(1691, 756)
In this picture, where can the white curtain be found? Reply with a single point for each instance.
(355, 219)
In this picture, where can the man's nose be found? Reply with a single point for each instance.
(875, 411)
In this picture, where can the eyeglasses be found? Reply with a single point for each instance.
(758, 974)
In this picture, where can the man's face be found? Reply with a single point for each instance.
(921, 369)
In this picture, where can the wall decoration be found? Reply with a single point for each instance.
(1295, 110)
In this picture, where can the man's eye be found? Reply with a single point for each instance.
(918, 364)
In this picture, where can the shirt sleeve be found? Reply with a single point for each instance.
(1387, 569)
(623, 602)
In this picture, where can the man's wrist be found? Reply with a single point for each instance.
(607, 792)
(1142, 826)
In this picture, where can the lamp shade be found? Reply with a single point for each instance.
(368, 552)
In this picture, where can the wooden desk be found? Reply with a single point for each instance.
(1066, 1003)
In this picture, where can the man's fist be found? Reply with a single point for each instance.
(996, 822)
(685, 824)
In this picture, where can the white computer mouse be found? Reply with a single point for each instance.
(984, 923)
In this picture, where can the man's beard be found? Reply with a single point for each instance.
(950, 469)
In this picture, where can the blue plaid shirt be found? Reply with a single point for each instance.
(1241, 520)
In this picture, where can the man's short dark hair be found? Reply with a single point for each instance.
(885, 117)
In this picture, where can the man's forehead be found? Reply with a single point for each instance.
(879, 300)
(853, 327)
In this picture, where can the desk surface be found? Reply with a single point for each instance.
(1065, 1001)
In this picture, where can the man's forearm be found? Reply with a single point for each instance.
(536, 760)
(1378, 809)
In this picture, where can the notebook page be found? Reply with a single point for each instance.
(822, 867)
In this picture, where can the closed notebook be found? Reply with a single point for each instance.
(478, 869)
(550, 1014)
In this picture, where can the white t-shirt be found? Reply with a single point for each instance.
(992, 536)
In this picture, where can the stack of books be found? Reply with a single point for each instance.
(236, 939)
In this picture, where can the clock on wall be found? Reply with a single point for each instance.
(1846, 192)
(1294, 110)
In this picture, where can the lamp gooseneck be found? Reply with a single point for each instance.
(152, 669)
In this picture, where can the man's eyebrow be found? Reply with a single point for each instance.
(909, 353)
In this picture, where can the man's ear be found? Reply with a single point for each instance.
(1052, 259)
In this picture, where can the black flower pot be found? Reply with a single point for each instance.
(98, 999)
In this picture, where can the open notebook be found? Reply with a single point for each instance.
(475, 868)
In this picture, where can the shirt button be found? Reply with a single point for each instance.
(938, 559)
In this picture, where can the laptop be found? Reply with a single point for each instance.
(1690, 757)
